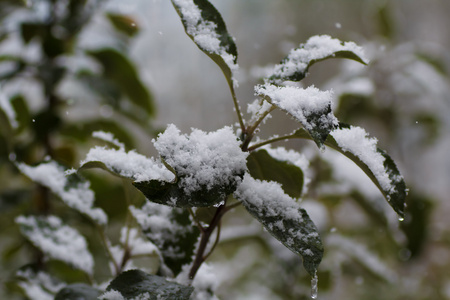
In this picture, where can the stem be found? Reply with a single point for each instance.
(200, 227)
(104, 240)
(205, 235)
(219, 226)
(251, 129)
(281, 138)
(236, 105)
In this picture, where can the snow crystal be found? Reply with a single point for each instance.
(317, 47)
(79, 197)
(258, 109)
(204, 33)
(7, 108)
(356, 141)
(129, 164)
(108, 137)
(301, 103)
(57, 240)
(202, 159)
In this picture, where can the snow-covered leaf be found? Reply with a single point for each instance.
(262, 166)
(57, 240)
(205, 26)
(311, 107)
(135, 284)
(78, 291)
(171, 230)
(283, 218)
(354, 143)
(73, 190)
(295, 66)
(38, 285)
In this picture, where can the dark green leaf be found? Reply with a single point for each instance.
(22, 112)
(264, 167)
(31, 30)
(296, 65)
(396, 194)
(284, 219)
(176, 241)
(135, 283)
(123, 23)
(210, 15)
(119, 69)
(78, 291)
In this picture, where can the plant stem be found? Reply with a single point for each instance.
(104, 240)
(205, 236)
(236, 106)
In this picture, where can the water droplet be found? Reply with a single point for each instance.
(314, 282)
(401, 219)
(338, 25)
(33, 120)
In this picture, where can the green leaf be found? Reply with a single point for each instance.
(283, 218)
(264, 167)
(123, 23)
(318, 48)
(386, 177)
(120, 70)
(30, 30)
(135, 283)
(200, 14)
(78, 291)
(57, 240)
(22, 112)
(175, 237)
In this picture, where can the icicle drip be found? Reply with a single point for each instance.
(314, 282)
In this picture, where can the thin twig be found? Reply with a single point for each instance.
(219, 226)
(200, 227)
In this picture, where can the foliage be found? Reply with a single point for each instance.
(196, 178)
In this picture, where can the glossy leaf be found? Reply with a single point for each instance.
(214, 41)
(171, 230)
(78, 291)
(135, 284)
(394, 190)
(120, 70)
(318, 48)
(262, 166)
(283, 218)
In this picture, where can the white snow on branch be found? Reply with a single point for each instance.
(316, 48)
(357, 141)
(79, 197)
(57, 240)
(129, 164)
(202, 159)
(301, 103)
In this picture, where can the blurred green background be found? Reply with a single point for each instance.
(73, 67)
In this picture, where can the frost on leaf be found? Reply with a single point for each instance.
(171, 230)
(295, 66)
(311, 107)
(355, 143)
(57, 240)
(135, 284)
(208, 167)
(73, 191)
(283, 218)
(205, 26)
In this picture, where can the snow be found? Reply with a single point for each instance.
(258, 108)
(108, 137)
(57, 240)
(137, 245)
(205, 283)
(202, 159)
(356, 141)
(38, 286)
(129, 164)
(79, 197)
(7, 108)
(301, 103)
(269, 198)
(111, 295)
(204, 33)
(316, 48)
